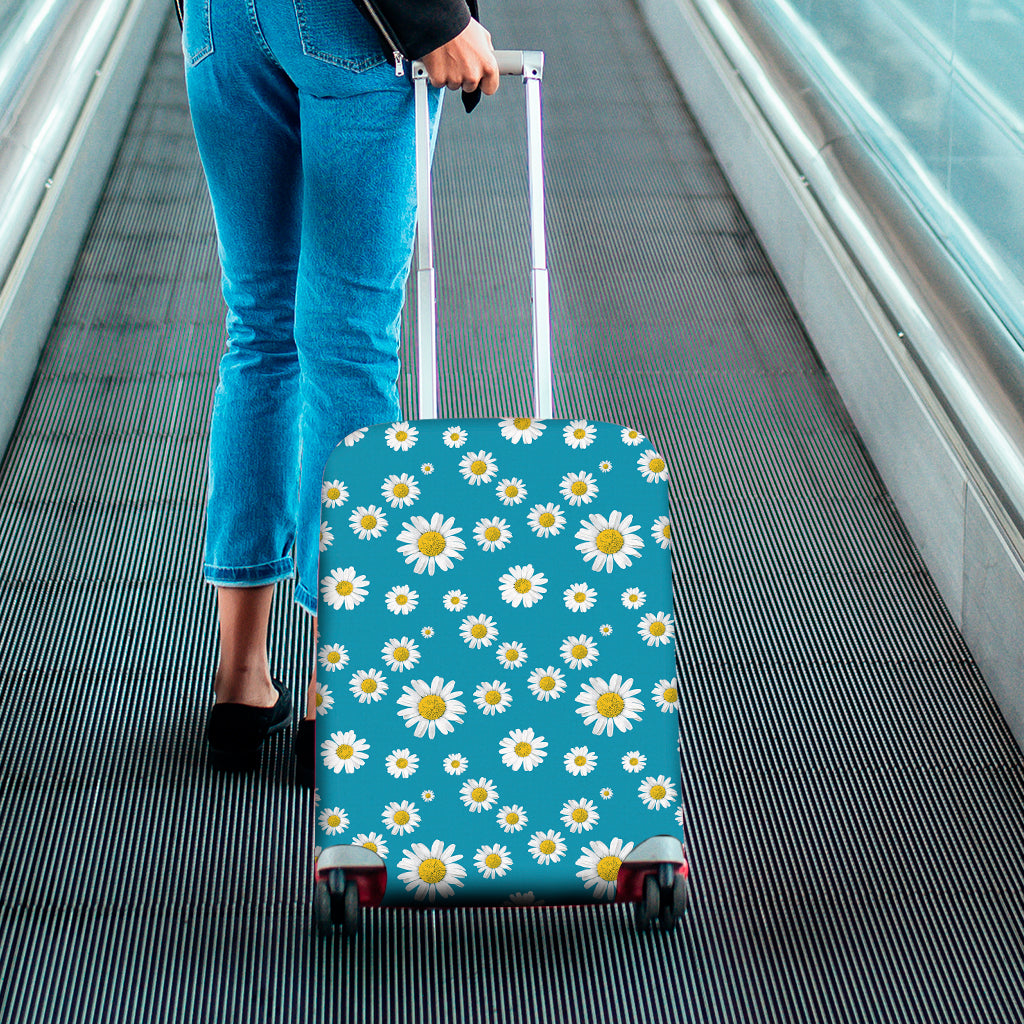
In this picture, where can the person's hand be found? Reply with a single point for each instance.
(465, 62)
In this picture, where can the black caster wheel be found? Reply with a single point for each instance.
(681, 894)
(648, 905)
(351, 918)
(322, 909)
(675, 900)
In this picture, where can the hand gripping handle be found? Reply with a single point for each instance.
(529, 64)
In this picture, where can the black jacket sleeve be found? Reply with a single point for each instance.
(424, 25)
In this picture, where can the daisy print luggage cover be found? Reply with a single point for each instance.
(496, 694)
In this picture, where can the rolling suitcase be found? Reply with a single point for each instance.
(497, 703)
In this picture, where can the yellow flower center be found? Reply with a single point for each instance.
(511, 491)
(492, 533)
(344, 752)
(610, 705)
(478, 467)
(522, 586)
(609, 541)
(670, 695)
(579, 814)
(333, 493)
(579, 433)
(656, 465)
(401, 435)
(370, 845)
(521, 423)
(431, 707)
(432, 543)
(657, 628)
(368, 522)
(632, 435)
(319, 699)
(547, 682)
(493, 697)
(523, 749)
(400, 654)
(579, 597)
(511, 654)
(454, 435)
(333, 820)
(608, 867)
(456, 763)
(580, 761)
(546, 519)
(334, 657)
(633, 598)
(479, 795)
(657, 792)
(344, 587)
(401, 818)
(547, 847)
(493, 860)
(401, 598)
(580, 651)
(666, 531)
(511, 818)
(400, 490)
(478, 631)
(402, 762)
(579, 487)
(432, 870)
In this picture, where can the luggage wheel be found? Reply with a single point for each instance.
(665, 897)
(336, 901)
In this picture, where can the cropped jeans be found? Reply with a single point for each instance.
(306, 136)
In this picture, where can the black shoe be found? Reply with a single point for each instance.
(305, 752)
(236, 731)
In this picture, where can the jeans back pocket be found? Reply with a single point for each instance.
(336, 33)
(196, 35)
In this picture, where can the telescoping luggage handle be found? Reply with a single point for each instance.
(529, 64)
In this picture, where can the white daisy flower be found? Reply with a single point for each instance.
(523, 899)
(578, 488)
(656, 629)
(579, 597)
(400, 653)
(333, 820)
(478, 630)
(368, 521)
(401, 763)
(521, 585)
(657, 792)
(666, 694)
(579, 815)
(369, 685)
(431, 872)
(479, 794)
(356, 436)
(373, 841)
(478, 467)
(610, 705)
(343, 588)
(605, 629)
(400, 437)
(633, 761)
(428, 795)
(680, 816)
(547, 683)
(606, 793)
(455, 600)
(522, 749)
(580, 761)
(431, 544)
(579, 651)
(652, 466)
(431, 707)
(547, 847)
(632, 437)
(579, 434)
(455, 764)
(600, 864)
(454, 437)
(546, 520)
(522, 429)
(427, 468)
(326, 537)
(492, 698)
(511, 654)
(492, 534)
(493, 861)
(605, 466)
(324, 699)
(633, 598)
(511, 491)
(343, 752)
(427, 632)
(333, 657)
(609, 542)
(661, 531)
(333, 493)
(401, 600)
(400, 818)
(512, 818)
(400, 491)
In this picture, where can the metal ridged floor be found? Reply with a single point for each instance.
(856, 803)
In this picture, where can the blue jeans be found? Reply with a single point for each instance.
(306, 137)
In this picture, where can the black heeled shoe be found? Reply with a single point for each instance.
(236, 732)
(305, 753)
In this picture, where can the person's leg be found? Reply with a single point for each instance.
(243, 675)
